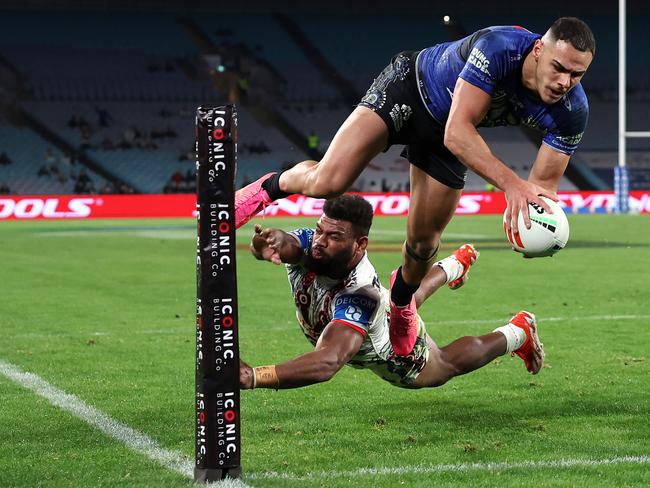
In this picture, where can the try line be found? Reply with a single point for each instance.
(131, 438)
(453, 468)
(177, 462)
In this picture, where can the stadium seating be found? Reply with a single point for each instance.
(27, 152)
(264, 36)
(361, 58)
(76, 63)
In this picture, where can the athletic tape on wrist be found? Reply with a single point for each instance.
(254, 380)
(266, 377)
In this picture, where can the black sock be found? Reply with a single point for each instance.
(402, 292)
(272, 187)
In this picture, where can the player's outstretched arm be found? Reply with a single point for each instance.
(336, 346)
(468, 108)
(275, 245)
(548, 168)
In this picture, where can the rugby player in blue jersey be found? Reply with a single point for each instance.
(432, 101)
(343, 309)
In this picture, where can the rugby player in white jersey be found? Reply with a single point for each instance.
(344, 311)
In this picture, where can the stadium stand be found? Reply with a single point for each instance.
(385, 37)
(33, 166)
(80, 64)
(252, 33)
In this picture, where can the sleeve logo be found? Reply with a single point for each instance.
(355, 308)
(353, 313)
(480, 60)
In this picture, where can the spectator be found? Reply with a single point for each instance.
(243, 89)
(50, 158)
(66, 159)
(107, 187)
(313, 143)
(86, 132)
(130, 135)
(126, 189)
(5, 160)
(4, 188)
(188, 156)
(107, 144)
(104, 118)
(177, 178)
(44, 170)
(83, 177)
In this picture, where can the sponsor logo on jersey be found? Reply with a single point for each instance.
(480, 60)
(353, 313)
(355, 308)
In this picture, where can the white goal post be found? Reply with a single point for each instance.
(621, 178)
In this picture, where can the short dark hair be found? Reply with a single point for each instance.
(351, 208)
(575, 31)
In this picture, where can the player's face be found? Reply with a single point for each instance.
(334, 248)
(560, 67)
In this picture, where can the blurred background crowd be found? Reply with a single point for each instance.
(99, 97)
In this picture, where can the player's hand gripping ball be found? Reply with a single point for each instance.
(548, 233)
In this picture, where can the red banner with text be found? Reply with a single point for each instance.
(30, 207)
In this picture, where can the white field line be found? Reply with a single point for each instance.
(454, 468)
(134, 440)
(542, 320)
(176, 462)
(184, 330)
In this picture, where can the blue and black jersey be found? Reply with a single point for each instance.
(492, 59)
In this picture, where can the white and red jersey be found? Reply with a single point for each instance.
(358, 301)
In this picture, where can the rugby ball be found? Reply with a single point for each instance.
(548, 233)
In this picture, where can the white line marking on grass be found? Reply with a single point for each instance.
(191, 328)
(541, 319)
(454, 468)
(134, 440)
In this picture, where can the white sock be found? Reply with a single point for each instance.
(515, 336)
(452, 268)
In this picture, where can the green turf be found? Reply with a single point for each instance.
(104, 310)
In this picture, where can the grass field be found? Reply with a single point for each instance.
(104, 311)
